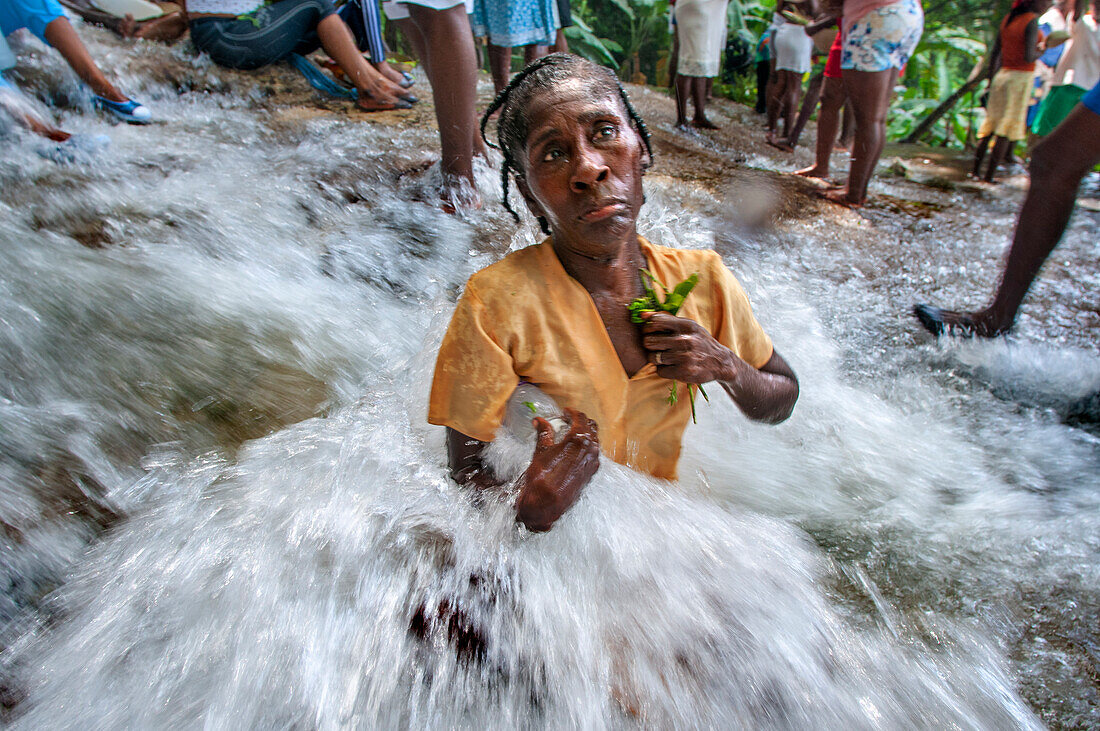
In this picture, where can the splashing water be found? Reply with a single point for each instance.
(217, 341)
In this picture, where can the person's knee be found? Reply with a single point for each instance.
(1052, 166)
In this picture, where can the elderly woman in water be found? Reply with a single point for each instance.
(556, 314)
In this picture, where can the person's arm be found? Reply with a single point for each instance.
(553, 481)
(820, 24)
(994, 58)
(683, 350)
(1032, 50)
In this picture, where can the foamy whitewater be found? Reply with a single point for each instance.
(221, 505)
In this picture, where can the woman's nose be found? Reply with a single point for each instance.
(588, 170)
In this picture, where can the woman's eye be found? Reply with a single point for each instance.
(552, 155)
(605, 132)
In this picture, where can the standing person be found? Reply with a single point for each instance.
(793, 50)
(440, 34)
(46, 19)
(763, 60)
(531, 24)
(1052, 25)
(1013, 68)
(879, 37)
(1059, 163)
(833, 99)
(1078, 69)
(701, 30)
(249, 34)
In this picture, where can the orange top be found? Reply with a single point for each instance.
(1013, 50)
(526, 318)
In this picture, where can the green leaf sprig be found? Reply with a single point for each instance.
(670, 302)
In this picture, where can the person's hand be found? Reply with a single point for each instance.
(558, 472)
(683, 350)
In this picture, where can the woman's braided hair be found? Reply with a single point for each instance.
(514, 99)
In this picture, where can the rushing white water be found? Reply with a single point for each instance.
(216, 338)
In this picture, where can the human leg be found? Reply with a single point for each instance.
(533, 52)
(979, 155)
(869, 94)
(1058, 164)
(792, 94)
(699, 87)
(61, 35)
(762, 72)
(832, 99)
(775, 97)
(454, 89)
(847, 128)
(561, 43)
(364, 18)
(500, 66)
(683, 86)
(1000, 149)
(809, 103)
(338, 42)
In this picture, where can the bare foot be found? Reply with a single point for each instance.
(813, 172)
(166, 29)
(683, 124)
(459, 194)
(703, 123)
(381, 89)
(840, 197)
(368, 102)
(781, 144)
(127, 27)
(963, 324)
(390, 74)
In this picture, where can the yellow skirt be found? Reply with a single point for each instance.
(1009, 98)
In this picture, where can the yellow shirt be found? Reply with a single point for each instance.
(525, 318)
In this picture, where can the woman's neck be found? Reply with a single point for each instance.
(614, 271)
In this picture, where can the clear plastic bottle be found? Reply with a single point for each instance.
(527, 402)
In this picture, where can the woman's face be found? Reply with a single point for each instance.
(583, 166)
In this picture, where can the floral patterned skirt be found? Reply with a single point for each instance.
(883, 38)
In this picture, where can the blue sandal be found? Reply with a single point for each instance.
(128, 111)
(319, 80)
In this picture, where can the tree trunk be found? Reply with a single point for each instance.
(945, 106)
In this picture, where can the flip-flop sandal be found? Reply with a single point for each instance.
(128, 111)
(370, 104)
(342, 78)
(318, 80)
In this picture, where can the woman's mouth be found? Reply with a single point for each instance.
(603, 210)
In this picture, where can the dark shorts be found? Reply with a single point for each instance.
(565, 14)
(261, 38)
(1092, 98)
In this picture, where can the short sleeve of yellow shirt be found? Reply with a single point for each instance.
(525, 319)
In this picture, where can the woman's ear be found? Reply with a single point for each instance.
(647, 159)
(532, 204)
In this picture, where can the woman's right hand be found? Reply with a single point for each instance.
(558, 471)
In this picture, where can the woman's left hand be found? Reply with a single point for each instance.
(683, 350)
